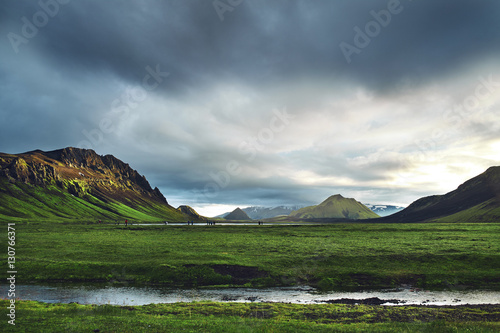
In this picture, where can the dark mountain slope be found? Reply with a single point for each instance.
(476, 200)
(238, 215)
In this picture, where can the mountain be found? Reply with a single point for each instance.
(191, 213)
(384, 210)
(258, 213)
(476, 200)
(335, 206)
(238, 214)
(74, 183)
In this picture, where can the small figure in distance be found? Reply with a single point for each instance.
(126, 222)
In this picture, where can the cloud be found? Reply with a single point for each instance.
(384, 127)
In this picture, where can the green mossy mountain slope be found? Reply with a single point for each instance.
(336, 206)
(73, 183)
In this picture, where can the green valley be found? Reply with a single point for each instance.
(330, 257)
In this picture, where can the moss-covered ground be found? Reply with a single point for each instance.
(250, 317)
(330, 257)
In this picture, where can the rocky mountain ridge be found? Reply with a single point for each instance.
(85, 168)
(39, 182)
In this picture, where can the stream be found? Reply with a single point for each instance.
(91, 294)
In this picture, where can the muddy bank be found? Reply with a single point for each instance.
(366, 301)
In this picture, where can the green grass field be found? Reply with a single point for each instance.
(330, 257)
(256, 317)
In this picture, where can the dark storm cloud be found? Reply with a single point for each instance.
(226, 77)
(280, 40)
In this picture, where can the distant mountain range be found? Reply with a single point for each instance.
(74, 183)
(336, 206)
(384, 210)
(259, 213)
(476, 200)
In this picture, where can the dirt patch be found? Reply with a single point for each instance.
(366, 301)
(240, 272)
(223, 274)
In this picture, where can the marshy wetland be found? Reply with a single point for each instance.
(332, 259)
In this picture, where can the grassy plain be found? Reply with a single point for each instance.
(251, 317)
(330, 257)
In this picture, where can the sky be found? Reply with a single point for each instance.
(230, 103)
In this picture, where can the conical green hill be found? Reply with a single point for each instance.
(336, 206)
(238, 215)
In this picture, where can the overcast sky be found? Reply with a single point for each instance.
(239, 103)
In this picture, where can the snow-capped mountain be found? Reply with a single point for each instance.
(268, 212)
(384, 210)
(256, 213)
